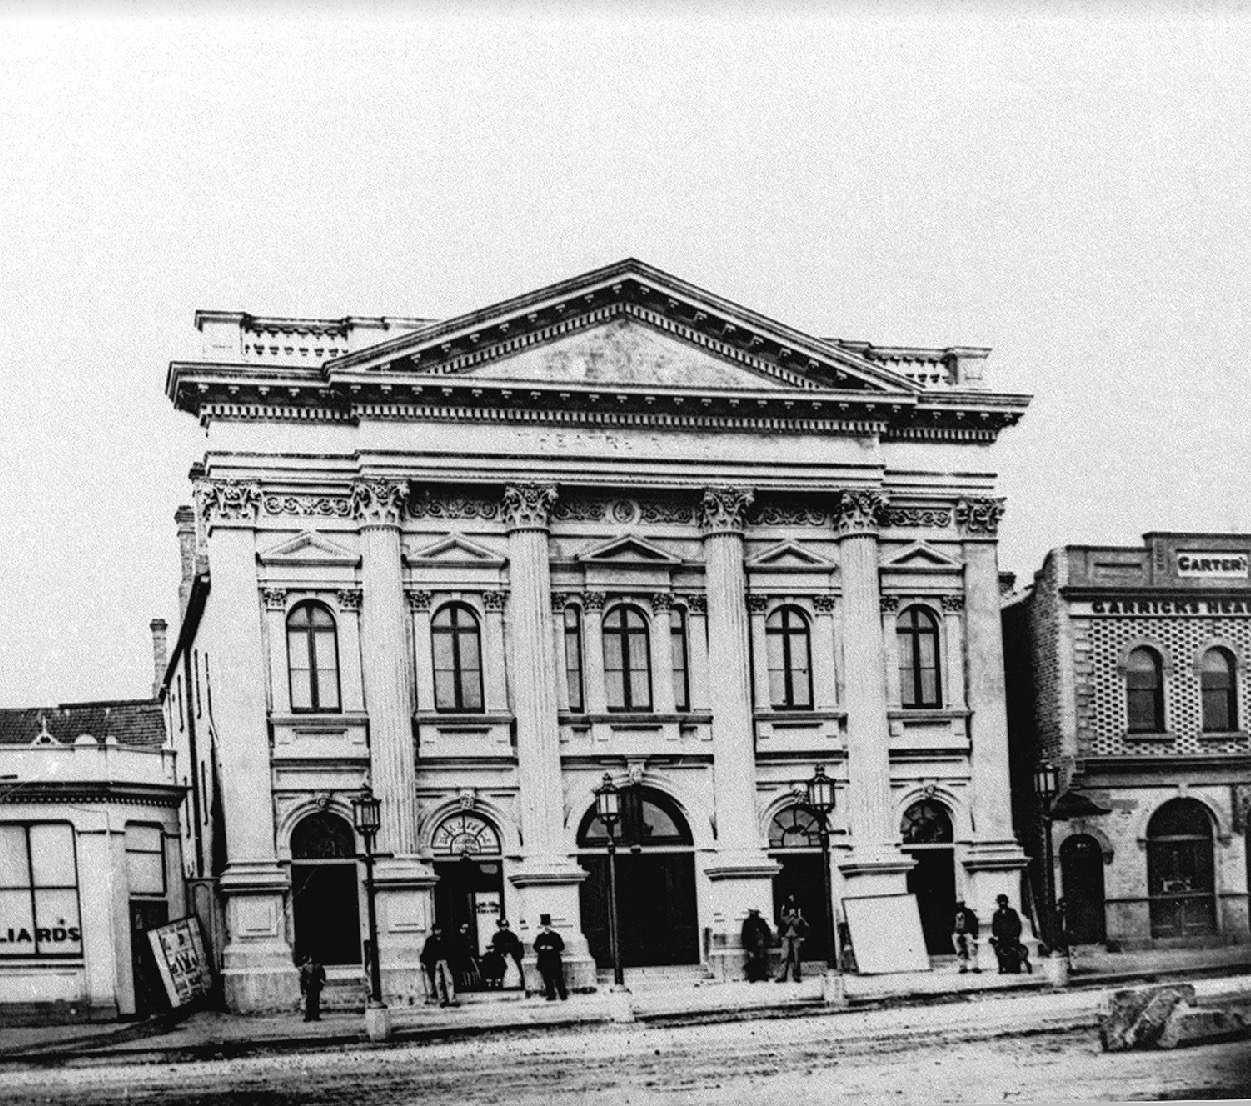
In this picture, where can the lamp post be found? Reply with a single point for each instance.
(1046, 786)
(821, 801)
(367, 816)
(608, 810)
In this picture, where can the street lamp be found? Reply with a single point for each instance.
(1046, 787)
(608, 810)
(821, 801)
(367, 816)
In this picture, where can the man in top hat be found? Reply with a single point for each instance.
(508, 946)
(548, 946)
(757, 936)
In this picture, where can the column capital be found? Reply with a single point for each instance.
(594, 600)
(757, 604)
(419, 600)
(494, 601)
(952, 603)
(662, 601)
(350, 599)
(859, 511)
(379, 502)
(560, 600)
(529, 506)
(823, 604)
(697, 604)
(220, 501)
(979, 515)
(723, 510)
(275, 598)
(889, 604)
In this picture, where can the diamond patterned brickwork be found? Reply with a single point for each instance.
(1098, 643)
(1045, 648)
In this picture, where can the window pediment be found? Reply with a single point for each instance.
(309, 549)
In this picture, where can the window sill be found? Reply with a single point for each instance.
(928, 714)
(453, 718)
(632, 717)
(320, 718)
(783, 715)
(1151, 738)
(1223, 735)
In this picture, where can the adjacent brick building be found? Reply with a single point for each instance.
(1128, 670)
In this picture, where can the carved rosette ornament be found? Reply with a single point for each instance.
(979, 516)
(350, 599)
(724, 510)
(379, 502)
(528, 506)
(220, 501)
(275, 599)
(859, 511)
(493, 601)
(419, 601)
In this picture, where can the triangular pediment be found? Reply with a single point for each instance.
(626, 325)
(789, 554)
(920, 555)
(309, 548)
(627, 549)
(455, 549)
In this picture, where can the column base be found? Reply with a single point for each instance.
(741, 880)
(404, 896)
(993, 868)
(882, 916)
(549, 885)
(258, 969)
(873, 871)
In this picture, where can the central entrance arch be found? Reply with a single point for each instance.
(928, 838)
(469, 863)
(795, 843)
(655, 883)
(324, 883)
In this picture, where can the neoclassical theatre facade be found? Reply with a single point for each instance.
(616, 526)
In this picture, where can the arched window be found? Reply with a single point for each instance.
(1220, 696)
(790, 659)
(1180, 870)
(926, 823)
(457, 659)
(647, 818)
(1144, 691)
(573, 658)
(794, 828)
(916, 632)
(313, 657)
(627, 660)
(465, 835)
(322, 837)
(681, 678)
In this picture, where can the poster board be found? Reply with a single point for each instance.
(886, 934)
(182, 960)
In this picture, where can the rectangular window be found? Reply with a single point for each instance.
(681, 681)
(145, 859)
(573, 658)
(39, 891)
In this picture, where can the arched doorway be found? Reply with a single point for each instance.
(795, 843)
(929, 839)
(1180, 874)
(324, 890)
(470, 891)
(655, 883)
(1081, 885)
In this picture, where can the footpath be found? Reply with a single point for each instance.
(939, 1002)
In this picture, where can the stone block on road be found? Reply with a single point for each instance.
(1198, 1025)
(1136, 1017)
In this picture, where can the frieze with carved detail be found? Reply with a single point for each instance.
(379, 501)
(429, 505)
(350, 599)
(979, 516)
(528, 506)
(662, 510)
(228, 500)
(724, 509)
(920, 518)
(316, 506)
(579, 510)
(860, 511)
(787, 514)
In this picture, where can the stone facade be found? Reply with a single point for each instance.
(1088, 633)
(616, 526)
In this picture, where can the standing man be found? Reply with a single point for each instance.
(1005, 935)
(548, 946)
(792, 928)
(505, 942)
(312, 980)
(757, 936)
(435, 959)
(965, 937)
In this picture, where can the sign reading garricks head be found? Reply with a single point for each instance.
(1194, 563)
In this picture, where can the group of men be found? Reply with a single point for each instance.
(1005, 938)
(506, 946)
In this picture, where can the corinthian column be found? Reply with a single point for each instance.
(403, 880)
(995, 858)
(547, 878)
(257, 971)
(741, 873)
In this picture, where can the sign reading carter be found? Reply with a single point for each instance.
(1192, 563)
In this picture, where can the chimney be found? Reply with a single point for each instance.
(185, 518)
(160, 654)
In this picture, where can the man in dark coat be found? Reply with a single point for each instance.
(312, 980)
(435, 958)
(792, 929)
(757, 937)
(964, 937)
(507, 945)
(1005, 930)
(548, 946)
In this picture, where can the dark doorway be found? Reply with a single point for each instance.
(147, 914)
(929, 839)
(324, 890)
(655, 884)
(795, 843)
(1081, 883)
(1180, 875)
(470, 891)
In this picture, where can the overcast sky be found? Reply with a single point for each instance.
(1069, 185)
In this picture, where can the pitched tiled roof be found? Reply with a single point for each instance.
(131, 721)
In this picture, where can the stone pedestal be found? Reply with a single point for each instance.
(258, 972)
(549, 887)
